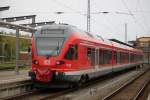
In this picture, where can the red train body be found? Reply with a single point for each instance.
(65, 53)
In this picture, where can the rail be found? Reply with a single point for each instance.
(141, 91)
(112, 94)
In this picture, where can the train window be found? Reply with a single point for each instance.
(97, 56)
(122, 57)
(89, 52)
(118, 57)
(72, 53)
(129, 57)
(93, 56)
(126, 57)
(132, 57)
(115, 57)
(107, 57)
(101, 57)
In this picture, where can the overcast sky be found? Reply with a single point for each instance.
(109, 25)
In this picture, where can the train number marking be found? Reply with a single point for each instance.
(68, 65)
(46, 62)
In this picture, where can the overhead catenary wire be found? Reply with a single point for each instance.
(83, 13)
(76, 11)
(136, 9)
(145, 22)
(106, 18)
(80, 13)
(134, 18)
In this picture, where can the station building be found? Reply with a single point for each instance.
(143, 43)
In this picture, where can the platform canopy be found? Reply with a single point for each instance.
(19, 18)
(39, 24)
(4, 8)
(15, 26)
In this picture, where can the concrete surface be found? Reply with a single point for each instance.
(148, 97)
(10, 76)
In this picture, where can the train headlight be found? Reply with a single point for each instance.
(60, 62)
(35, 62)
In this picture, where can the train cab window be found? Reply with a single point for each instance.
(76, 52)
(72, 52)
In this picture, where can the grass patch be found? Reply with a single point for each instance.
(12, 66)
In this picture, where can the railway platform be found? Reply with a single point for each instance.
(10, 76)
(148, 97)
(11, 84)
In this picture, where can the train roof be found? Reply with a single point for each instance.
(115, 40)
(56, 26)
(91, 37)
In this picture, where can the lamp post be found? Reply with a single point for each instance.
(88, 16)
(17, 52)
(3, 52)
(149, 52)
(125, 37)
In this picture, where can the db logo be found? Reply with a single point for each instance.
(68, 65)
(46, 62)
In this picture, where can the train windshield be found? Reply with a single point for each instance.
(49, 46)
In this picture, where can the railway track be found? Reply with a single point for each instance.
(14, 86)
(131, 90)
(51, 94)
(144, 91)
(40, 94)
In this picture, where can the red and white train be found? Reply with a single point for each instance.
(64, 53)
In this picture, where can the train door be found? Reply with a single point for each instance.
(114, 58)
(118, 57)
(101, 57)
(97, 57)
(129, 57)
(93, 56)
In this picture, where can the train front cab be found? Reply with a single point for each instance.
(49, 64)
